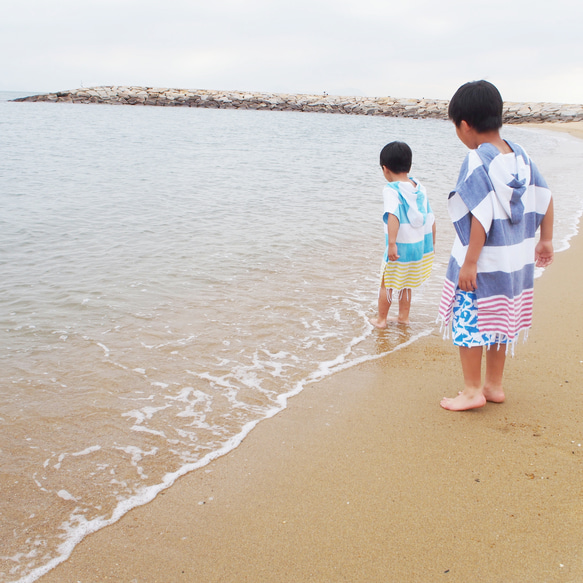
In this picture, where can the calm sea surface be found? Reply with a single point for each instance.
(169, 277)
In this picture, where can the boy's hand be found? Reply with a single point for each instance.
(467, 280)
(544, 253)
(393, 254)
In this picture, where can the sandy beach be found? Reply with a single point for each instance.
(573, 128)
(365, 478)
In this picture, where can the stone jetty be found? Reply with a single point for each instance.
(385, 106)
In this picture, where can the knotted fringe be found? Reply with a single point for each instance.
(499, 339)
(389, 291)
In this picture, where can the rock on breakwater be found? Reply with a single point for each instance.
(385, 106)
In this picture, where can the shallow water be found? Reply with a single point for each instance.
(169, 277)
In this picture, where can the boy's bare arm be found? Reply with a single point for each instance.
(544, 252)
(393, 229)
(469, 270)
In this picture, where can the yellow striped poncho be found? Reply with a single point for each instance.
(408, 202)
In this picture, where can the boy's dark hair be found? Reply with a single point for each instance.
(397, 157)
(479, 104)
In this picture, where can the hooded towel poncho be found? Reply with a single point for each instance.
(509, 197)
(408, 202)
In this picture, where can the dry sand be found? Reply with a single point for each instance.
(574, 128)
(365, 478)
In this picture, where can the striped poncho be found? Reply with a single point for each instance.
(408, 202)
(508, 195)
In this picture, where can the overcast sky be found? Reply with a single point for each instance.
(532, 50)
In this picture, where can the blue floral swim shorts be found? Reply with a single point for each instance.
(464, 325)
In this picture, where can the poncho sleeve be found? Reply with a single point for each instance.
(471, 198)
(391, 203)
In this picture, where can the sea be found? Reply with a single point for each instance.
(171, 277)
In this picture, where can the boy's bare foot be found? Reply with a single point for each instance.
(378, 323)
(494, 395)
(396, 320)
(463, 402)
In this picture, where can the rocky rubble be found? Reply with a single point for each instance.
(387, 106)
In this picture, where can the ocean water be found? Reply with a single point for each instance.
(170, 277)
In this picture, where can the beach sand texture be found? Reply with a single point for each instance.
(365, 478)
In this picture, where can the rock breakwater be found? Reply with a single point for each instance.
(384, 106)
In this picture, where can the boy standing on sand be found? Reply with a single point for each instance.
(498, 204)
(409, 234)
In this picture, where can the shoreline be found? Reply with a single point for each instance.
(363, 470)
(573, 128)
(513, 113)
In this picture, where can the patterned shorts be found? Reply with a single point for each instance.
(464, 325)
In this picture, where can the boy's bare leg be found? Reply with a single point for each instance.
(404, 307)
(385, 300)
(495, 360)
(472, 396)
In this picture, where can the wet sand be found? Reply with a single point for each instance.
(365, 478)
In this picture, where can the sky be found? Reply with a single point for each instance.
(531, 50)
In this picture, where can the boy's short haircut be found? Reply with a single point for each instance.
(397, 157)
(479, 104)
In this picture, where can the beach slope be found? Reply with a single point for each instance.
(365, 478)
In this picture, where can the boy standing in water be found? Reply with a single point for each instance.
(498, 204)
(409, 234)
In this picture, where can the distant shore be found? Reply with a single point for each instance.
(514, 112)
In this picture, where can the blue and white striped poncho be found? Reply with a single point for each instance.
(509, 197)
(409, 203)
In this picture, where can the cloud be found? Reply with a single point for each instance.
(370, 47)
